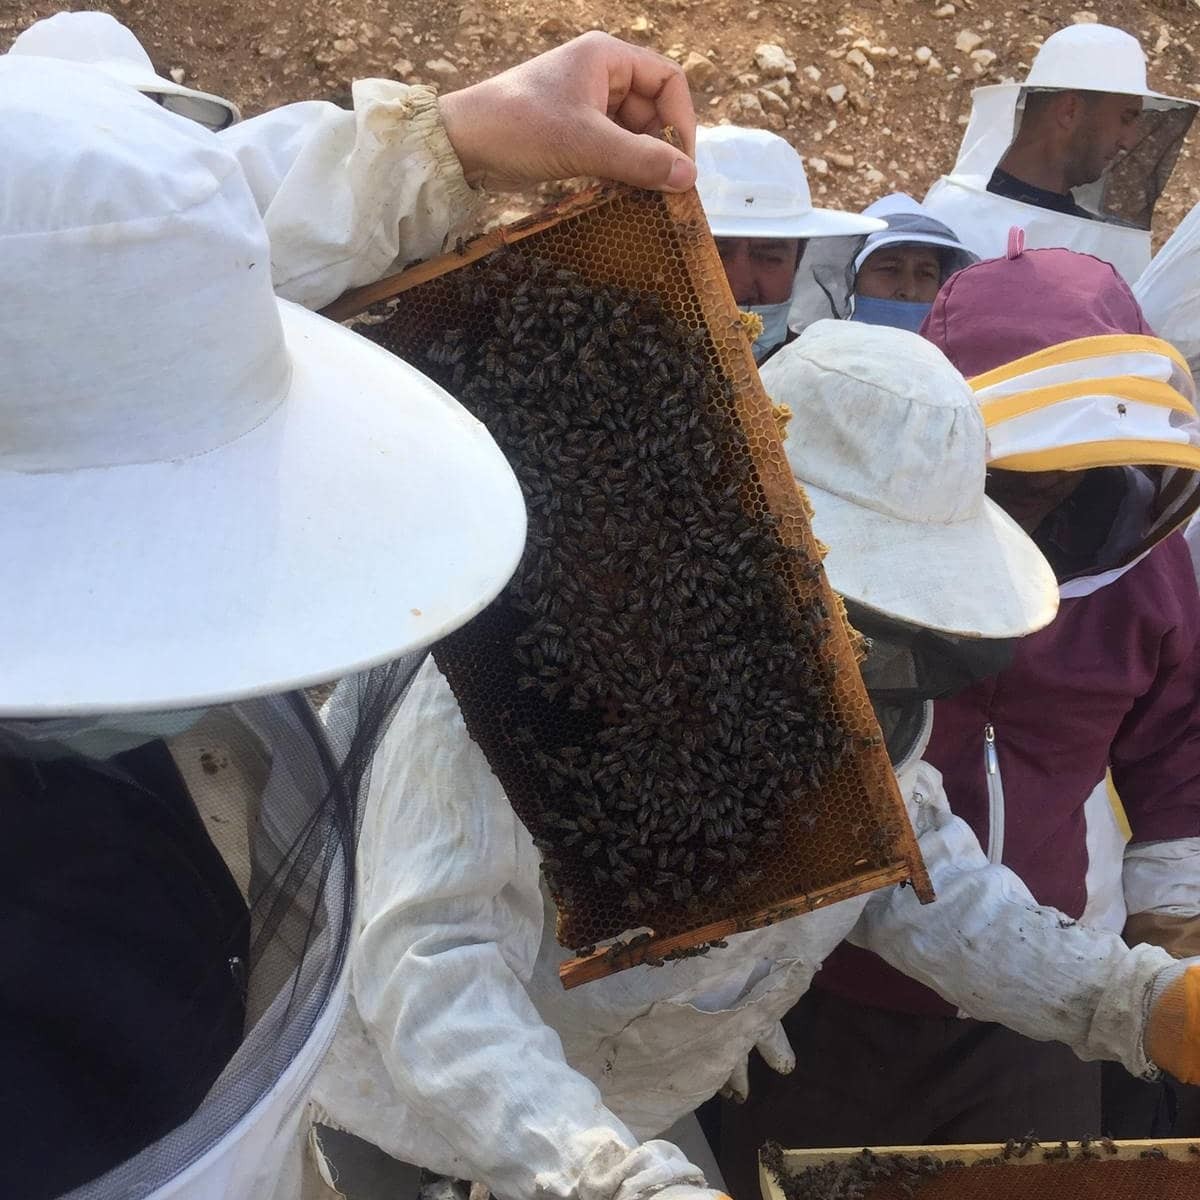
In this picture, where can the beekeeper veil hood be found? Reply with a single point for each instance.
(825, 285)
(1093, 435)
(1085, 58)
(889, 446)
(223, 499)
(752, 184)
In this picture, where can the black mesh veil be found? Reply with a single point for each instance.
(824, 281)
(1129, 191)
(906, 662)
(1126, 193)
(276, 789)
(907, 666)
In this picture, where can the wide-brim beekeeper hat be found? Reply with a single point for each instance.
(1095, 58)
(1071, 377)
(1079, 58)
(890, 447)
(101, 41)
(752, 184)
(209, 493)
(908, 224)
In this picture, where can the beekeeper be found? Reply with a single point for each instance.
(462, 1052)
(181, 827)
(1094, 448)
(1168, 296)
(1076, 155)
(888, 277)
(897, 273)
(755, 194)
(347, 196)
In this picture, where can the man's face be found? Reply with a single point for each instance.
(1105, 126)
(901, 273)
(760, 270)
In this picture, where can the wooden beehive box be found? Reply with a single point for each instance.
(1094, 1170)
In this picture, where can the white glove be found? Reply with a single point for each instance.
(776, 1052)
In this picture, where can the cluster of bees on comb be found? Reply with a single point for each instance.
(894, 1176)
(857, 1177)
(666, 688)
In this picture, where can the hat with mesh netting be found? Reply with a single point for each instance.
(209, 492)
(890, 446)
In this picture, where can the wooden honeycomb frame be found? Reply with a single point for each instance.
(1102, 1170)
(651, 242)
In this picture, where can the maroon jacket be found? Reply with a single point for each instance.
(1114, 682)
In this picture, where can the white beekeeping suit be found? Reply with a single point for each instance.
(1169, 290)
(462, 1052)
(1090, 58)
(346, 196)
(1169, 293)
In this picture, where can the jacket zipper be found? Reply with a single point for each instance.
(995, 789)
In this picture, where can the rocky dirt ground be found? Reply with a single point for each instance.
(874, 92)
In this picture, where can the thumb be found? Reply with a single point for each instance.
(639, 159)
(776, 1050)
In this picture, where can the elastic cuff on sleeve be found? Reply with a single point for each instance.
(427, 118)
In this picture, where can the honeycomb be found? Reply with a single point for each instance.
(1095, 1170)
(668, 689)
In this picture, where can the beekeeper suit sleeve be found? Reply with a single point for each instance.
(1156, 770)
(451, 926)
(1162, 894)
(1169, 290)
(987, 946)
(348, 196)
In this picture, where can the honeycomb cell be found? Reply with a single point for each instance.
(667, 689)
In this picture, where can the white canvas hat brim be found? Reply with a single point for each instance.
(213, 111)
(1153, 97)
(816, 223)
(979, 577)
(367, 516)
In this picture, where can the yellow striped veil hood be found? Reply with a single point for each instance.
(1070, 378)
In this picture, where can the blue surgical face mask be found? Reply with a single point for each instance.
(775, 327)
(899, 314)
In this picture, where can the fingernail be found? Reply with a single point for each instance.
(681, 175)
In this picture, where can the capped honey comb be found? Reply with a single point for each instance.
(668, 689)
